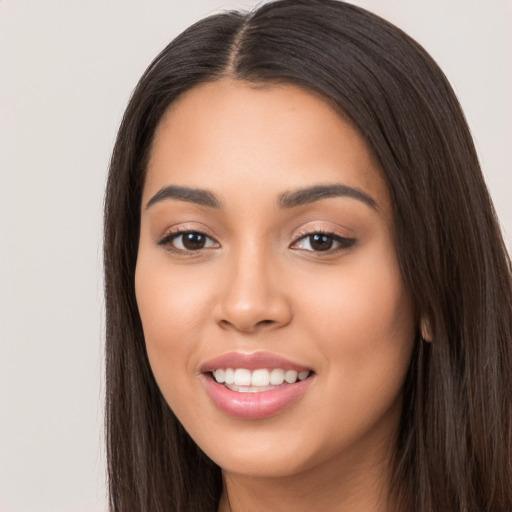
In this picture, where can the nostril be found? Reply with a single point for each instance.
(226, 324)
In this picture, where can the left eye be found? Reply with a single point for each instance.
(189, 241)
(323, 242)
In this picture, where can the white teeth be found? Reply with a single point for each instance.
(303, 375)
(249, 389)
(229, 376)
(219, 375)
(242, 377)
(261, 378)
(276, 377)
(290, 376)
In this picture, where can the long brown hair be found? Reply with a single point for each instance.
(454, 449)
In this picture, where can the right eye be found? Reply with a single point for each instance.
(188, 241)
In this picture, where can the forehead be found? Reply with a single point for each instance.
(278, 135)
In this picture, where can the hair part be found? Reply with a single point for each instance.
(455, 440)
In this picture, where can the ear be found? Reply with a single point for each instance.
(425, 329)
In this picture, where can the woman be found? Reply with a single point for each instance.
(308, 297)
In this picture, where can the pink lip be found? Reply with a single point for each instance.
(252, 361)
(253, 406)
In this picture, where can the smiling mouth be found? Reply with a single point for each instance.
(243, 380)
(255, 386)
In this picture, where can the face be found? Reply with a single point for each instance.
(267, 262)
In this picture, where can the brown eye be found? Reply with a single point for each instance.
(323, 242)
(320, 242)
(188, 241)
(193, 241)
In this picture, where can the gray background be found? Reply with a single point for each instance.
(66, 72)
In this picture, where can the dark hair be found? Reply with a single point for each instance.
(454, 446)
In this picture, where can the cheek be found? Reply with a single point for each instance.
(364, 326)
(173, 308)
(172, 300)
(364, 297)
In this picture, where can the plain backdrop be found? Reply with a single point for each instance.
(67, 69)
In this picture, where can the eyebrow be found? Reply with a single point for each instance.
(286, 200)
(315, 193)
(191, 195)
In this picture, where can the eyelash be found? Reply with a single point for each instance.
(344, 242)
(167, 240)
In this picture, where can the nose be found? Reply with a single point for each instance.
(252, 298)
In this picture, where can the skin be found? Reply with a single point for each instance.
(257, 285)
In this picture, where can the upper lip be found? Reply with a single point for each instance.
(251, 361)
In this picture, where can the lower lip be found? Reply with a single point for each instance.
(253, 406)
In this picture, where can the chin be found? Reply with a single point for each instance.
(263, 463)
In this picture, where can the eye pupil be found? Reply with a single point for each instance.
(193, 241)
(320, 242)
